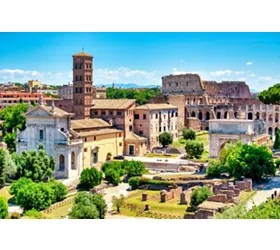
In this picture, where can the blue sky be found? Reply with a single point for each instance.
(142, 58)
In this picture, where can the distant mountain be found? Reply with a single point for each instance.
(127, 85)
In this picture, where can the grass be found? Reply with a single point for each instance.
(59, 212)
(170, 207)
(153, 155)
(5, 192)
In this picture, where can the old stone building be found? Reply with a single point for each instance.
(199, 101)
(150, 120)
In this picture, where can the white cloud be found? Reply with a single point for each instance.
(125, 75)
(249, 63)
(265, 78)
(221, 73)
(19, 75)
(242, 79)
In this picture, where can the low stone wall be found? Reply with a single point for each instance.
(58, 205)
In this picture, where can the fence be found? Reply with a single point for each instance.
(58, 205)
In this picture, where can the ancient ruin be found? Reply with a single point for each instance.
(199, 101)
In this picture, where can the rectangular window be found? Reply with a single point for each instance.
(96, 112)
(156, 116)
(136, 116)
(159, 129)
(41, 134)
(144, 116)
(119, 113)
(111, 112)
(120, 144)
(94, 138)
(103, 112)
(85, 150)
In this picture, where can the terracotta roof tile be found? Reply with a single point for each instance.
(89, 123)
(113, 103)
(134, 137)
(83, 54)
(156, 106)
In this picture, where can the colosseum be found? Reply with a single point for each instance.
(199, 101)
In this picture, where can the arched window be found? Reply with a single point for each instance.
(250, 116)
(193, 114)
(61, 162)
(219, 115)
(235, 114)
(81, 78)
(207, 116)
(257, 116)
(76, 78)
(270, 131)
(200, 115)
(73, 160)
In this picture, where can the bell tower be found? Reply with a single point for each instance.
(82, 85)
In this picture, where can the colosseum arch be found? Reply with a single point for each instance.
(257, 116)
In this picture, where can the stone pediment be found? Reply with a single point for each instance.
(38, 111)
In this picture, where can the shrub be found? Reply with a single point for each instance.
(34, 214)
(35, 195)
(134, 168)
(277, 140)
(115, 165)
(112, 176)
(199, 195)
(194, 149)
(188, 134)
(17, 185)
(88, 206)
(277, 162)
(60, 190)
(145, 181)
(133, 182)
(90, 178)
(165, 139)
(15, 215)
(3, 208)
(214, 169)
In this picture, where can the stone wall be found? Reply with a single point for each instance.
(194, 123)
(171, 194)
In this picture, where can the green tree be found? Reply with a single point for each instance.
(134, 182)
(90, 178)
(134, 168)
(3, 208)
(277, 140)
(7, 166)
(118, 202)
(199, 195)
(59, 189)
(214, 169)
(35, 196)
(188, 134)
(165, 139)
(271, 95)
(88, 206)
(112, 176)
(9, 139)
(194, 149)
(36, 165)
(17, 185)
(251, 161)
(14, 120)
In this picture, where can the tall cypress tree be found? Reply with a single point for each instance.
(277, 140)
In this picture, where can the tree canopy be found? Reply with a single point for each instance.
(271, 95)
(141, 96)
(165, 139)
(34, 164)
(13, 120)
(7, 166)
(188, 134)
(242, 160)
(88, 206)
(194, 149)
(90, 177)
